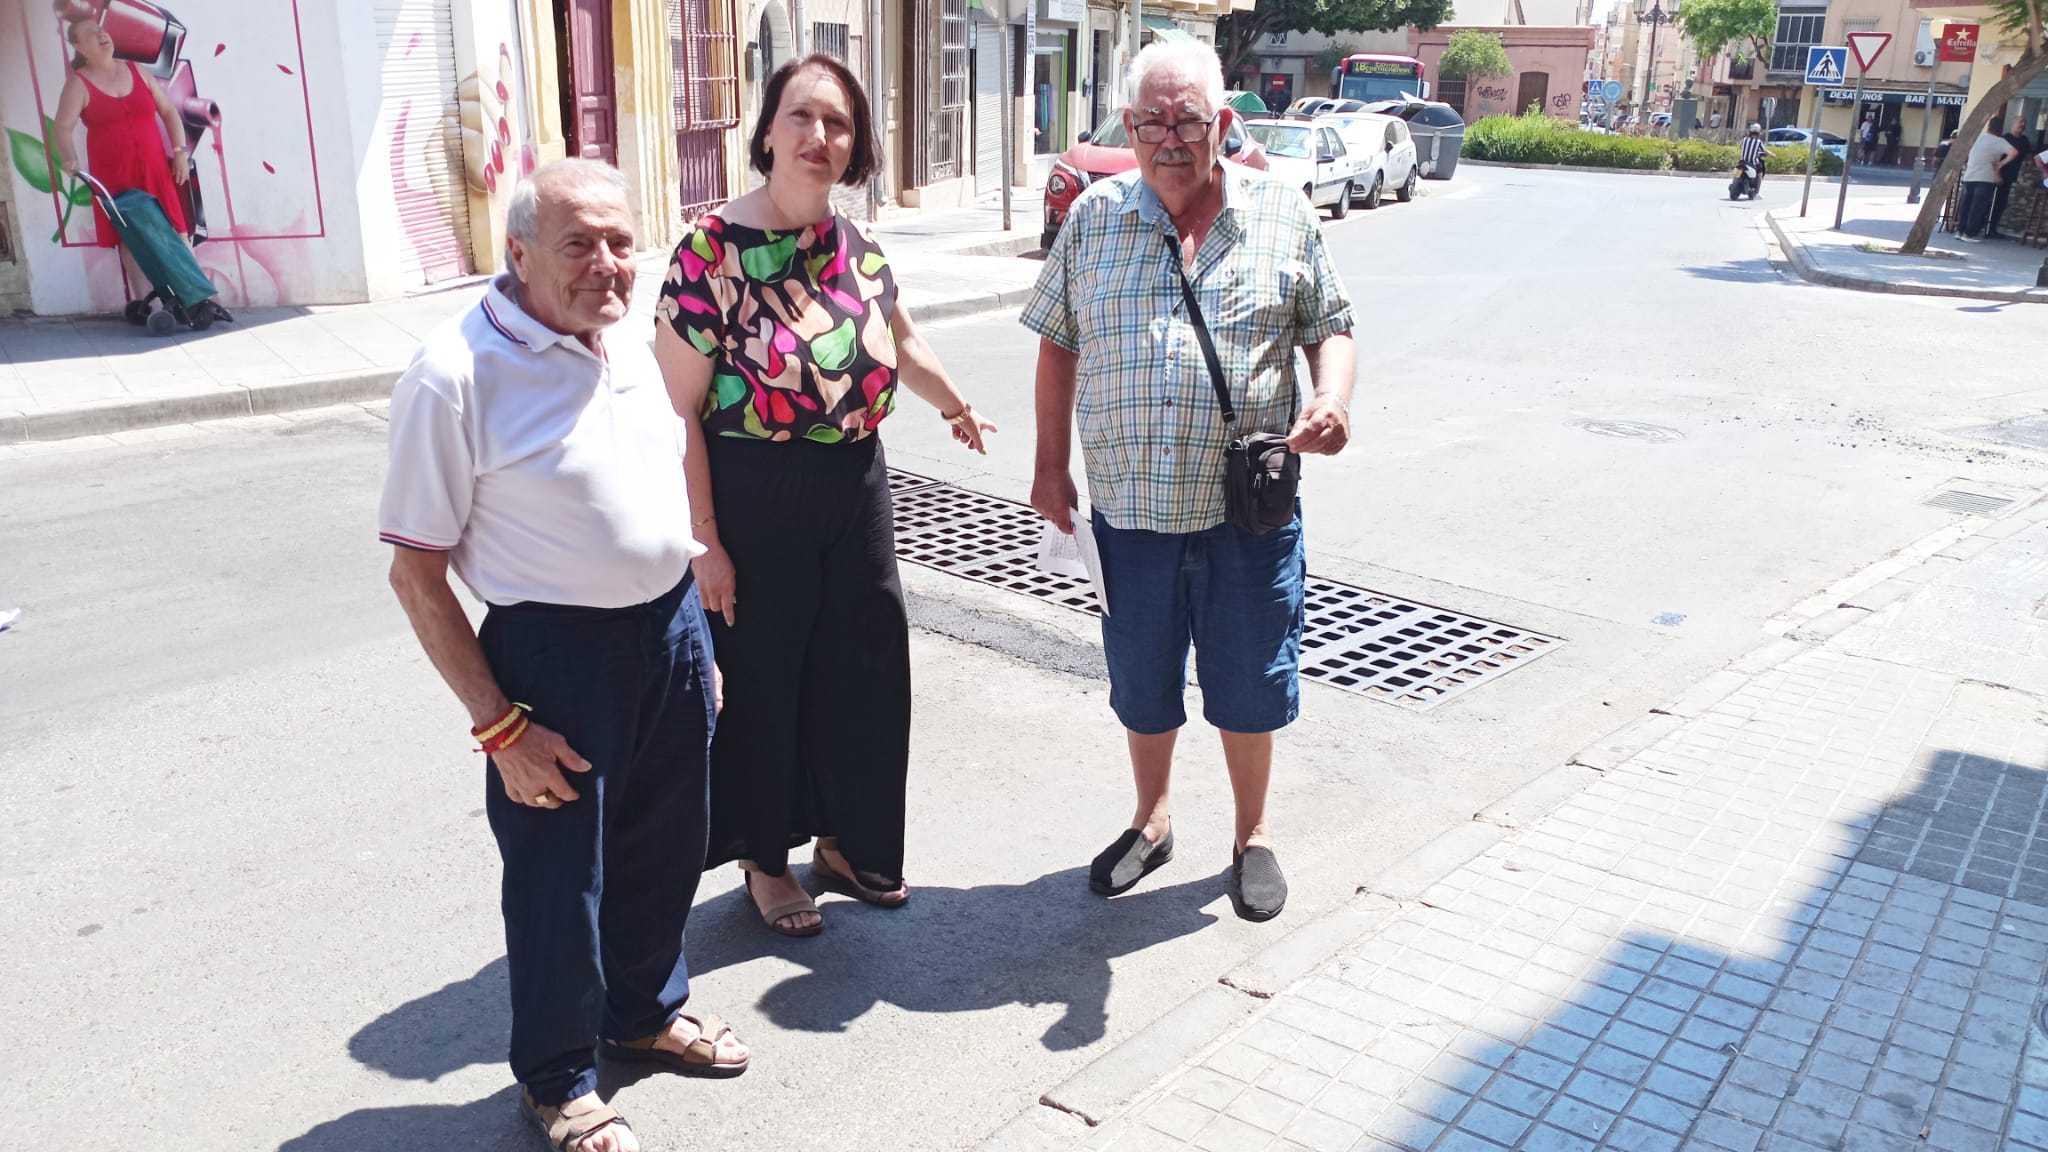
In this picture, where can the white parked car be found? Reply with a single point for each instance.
(1313, 157)
(1385, 153)
(1797, 137)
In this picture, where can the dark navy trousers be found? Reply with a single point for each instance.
(596, 891)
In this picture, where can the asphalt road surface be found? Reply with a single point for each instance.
(252, 899)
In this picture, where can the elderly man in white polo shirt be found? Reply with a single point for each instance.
(536, 451)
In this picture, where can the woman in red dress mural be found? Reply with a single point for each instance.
(127, 119)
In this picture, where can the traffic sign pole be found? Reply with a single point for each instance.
(1849, 151)
(1866, 47)
(1812, 148)
(1920, 154)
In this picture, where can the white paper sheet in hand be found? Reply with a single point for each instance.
(1075, 556)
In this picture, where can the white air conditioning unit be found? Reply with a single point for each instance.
(1923, 57)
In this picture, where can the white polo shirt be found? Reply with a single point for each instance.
(545, 471)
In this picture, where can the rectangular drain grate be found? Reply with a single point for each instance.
(1364, 642)
(1968, 503)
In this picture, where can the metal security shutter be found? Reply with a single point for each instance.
(423, 136)
(988, 108)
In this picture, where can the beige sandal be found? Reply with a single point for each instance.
(773, 917)
(566, 1132)
(698, 1058)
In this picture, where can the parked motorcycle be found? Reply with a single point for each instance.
(1749, 180)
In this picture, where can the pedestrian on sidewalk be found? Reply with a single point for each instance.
(535, 451)
(1866, 139)
(1117, 335)
(783, 344)
(127, 119)
(1893, 133)
(2008, 176)
(1988, 153)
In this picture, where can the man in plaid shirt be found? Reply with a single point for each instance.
(1118, 351)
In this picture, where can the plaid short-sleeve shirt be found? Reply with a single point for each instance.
(1152, 435)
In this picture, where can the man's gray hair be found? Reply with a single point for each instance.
(1187, 61)
(522, 215)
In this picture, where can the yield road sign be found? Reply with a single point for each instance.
(1826, 65)
(1868, 46)
(1611, 90)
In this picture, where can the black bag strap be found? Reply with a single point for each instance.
(1187, 293)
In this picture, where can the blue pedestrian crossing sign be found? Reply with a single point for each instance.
(1826, 65)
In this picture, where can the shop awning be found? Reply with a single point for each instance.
(1163, 28)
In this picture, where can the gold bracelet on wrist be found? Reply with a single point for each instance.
(957, 418)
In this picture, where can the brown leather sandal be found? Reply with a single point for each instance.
(698, 1058)
(565, 1131)
(773, 917)
(833, 880)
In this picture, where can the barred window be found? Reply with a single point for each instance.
(953, 54)
(706, 65)
(829, 39)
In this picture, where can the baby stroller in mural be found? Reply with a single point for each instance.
(175, 278)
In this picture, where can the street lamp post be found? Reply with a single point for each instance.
(1654, 17)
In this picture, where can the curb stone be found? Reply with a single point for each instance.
(1109, 1084)
(1795, 252)
(150, 412)
(1589, 169)
(347, 387)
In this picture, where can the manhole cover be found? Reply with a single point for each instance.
(1632, 430)
(1364, 642)
(1968, 503)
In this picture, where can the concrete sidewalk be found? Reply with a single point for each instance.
(1864, 254)
(1804, 907)
(63, 377)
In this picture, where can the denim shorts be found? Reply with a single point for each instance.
(1237, 597)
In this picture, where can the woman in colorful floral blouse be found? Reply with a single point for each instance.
(783, 344)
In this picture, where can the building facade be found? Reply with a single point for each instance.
(350, 150)
(1549, 70)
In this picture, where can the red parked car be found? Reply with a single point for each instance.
(1108, 151)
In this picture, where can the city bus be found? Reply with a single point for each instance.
(1375, 76)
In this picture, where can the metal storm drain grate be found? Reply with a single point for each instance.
(1968, 503)
(1365, 642)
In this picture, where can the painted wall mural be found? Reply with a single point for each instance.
(235, 73)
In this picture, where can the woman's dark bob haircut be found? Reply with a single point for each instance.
(860, 164)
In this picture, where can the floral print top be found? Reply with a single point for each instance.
(796, 324)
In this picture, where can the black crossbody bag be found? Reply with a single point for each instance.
(1261, 475)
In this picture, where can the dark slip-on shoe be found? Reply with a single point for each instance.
(1130, 859)
(1257, 889)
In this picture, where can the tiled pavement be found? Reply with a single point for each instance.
(1815, 917)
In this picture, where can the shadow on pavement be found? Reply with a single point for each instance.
(1757, 271)
(957, 950)
(950, 950)
(1897, 1005)
(488, 1125)
(462, 1024)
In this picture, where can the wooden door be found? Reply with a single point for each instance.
(584, 35)
(1535, 89)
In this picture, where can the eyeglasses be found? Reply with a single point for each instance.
(1189, 131)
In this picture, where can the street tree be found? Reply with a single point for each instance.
(1333, 54)
(1744, 26)
(1472, 54)
(1239, 34)
(2022, 18)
